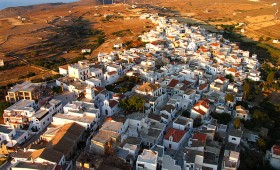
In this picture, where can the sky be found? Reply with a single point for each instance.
(14, 3)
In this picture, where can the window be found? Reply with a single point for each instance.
(233, 139)
(141, 166)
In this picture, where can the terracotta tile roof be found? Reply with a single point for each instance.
(199, 111)
(64, 67)
(276, 149)
(200, 137)
(113, 103)
(154, 117)
(176, 134)
(197, 106)
(98, 88)
(173, 83)
(168, 108)
(187, 82)
(232, 70)
(112, 73)
(47, 154)
(203, 86)
(148, 87)
(136, 74)
(215, 44)
(62, 143)
(234, 57)
(221, 78)
(202, 47)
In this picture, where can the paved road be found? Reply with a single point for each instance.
(7, 165)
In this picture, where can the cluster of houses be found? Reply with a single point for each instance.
(184, 69)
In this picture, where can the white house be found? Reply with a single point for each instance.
(183, 123)
(110, 107)
(149, 89)
(241, 113)
(83, 113)
(111, 77)
(12, 136)
(201, 109)
(230, 160)
(79, 70)
(40, 120)
(168, 163)
(174, 138)
(235, 136)
(53, 106)
(114, 126)
(19, 113)
(169, 110)
(96, 72)
(274, 156)
(147, 160)
(114, 67)
(63, 70)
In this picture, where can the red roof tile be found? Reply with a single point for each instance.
(199, 136)
(98, 88)
(276, 149)
(173, 83)
(232, 70)
(187, 82)
(197, 106)
(221, 78)
(215, 44)
(113, 103)
(203, 86)
(112, 72)
(175, 133)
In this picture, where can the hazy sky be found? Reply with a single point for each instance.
(13, 3)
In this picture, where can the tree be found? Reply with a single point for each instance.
(246, 88)
(261, 143)
(259, 115)
(236, 123)
(270, 77)
(186, 113)
(3, 106)
(229, 97)
(197, 121)
(57, 89)
(133, 104)
(230, 77)
(223, 118)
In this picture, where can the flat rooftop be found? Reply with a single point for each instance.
(112, 126)
(136, 116)
(159, 150)
(21, 105)
(103, 136)
(30, 165)
(40, 114)
(84, 119)
(25, 86)
(5, 129)
(182, 120)
(148, 156)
